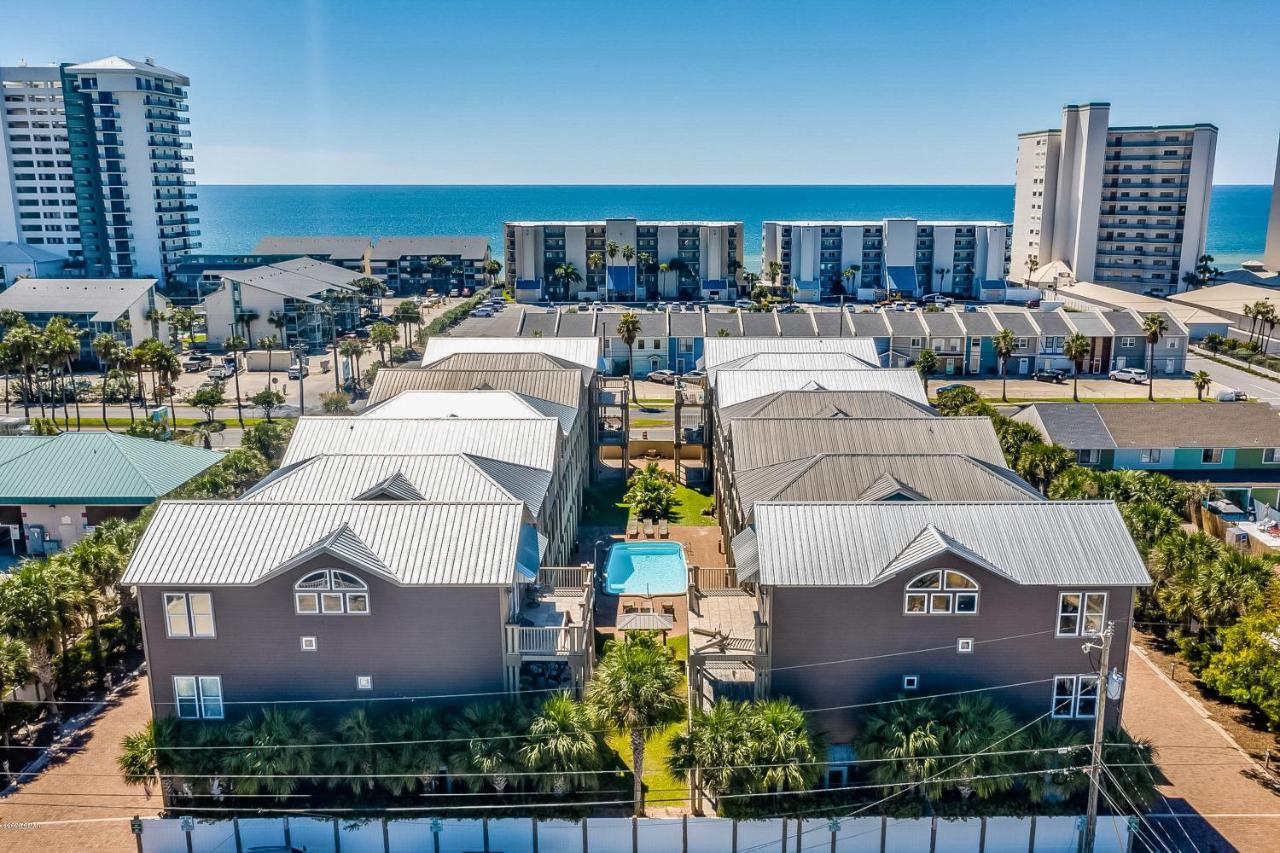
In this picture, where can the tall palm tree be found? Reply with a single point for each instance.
(155, 316)
(237, 345)
(611, 249)
(489, 744)
(774, 273)
(351, 350)
(139, 761)
(24, 341)
(269, 343)
(247, 319)
(350, 762)
(491, 269)
(1058, 759)
(1076, 348)
(105, 347)
(849, 274)
(1201, 380)
(276, 320)
(905, 738)
(629, 255)
(268, 760)
(715, 749)
(415, 758)
(35, 600)
(595, 262)
(628, 330)
(101, 567)
(782, 746)
(1154, 327)
(564, 745)
(568, 275)
(1004, 345)
(63, 340)
(663, 269)
(634, 688)
(643, 262)
(8, 319)
(975, 722)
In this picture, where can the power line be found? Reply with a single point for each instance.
(1138, 812)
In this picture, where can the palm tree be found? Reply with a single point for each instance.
(926, 364)
(941, 273)
(634, 688)
(350, 762)
(714, 750)
(155, 316)
(973, 724)
(139, 760)
(849, 274)
(628, 331)
(905, 738)
(383, 335)
(62, 345)
(24, 342)
(276, 320)
(101, 567)
(782, 746)
(628, 255)
(1148, 523)
(415, 756)
(611, 249)
(568, 276)
(774, 273)
(35, 599)
(1004, 345)
(1178, 554)
(268, 760)
(105, 347)
(247, 319)
(236, 345)
(269, 343)
(489, 745)
(8, 319)
(184, 321)
(1058, 759)
(643, 261)
(352, 350)
(1154, 326)
(1202, 380)
(128, 370)
(564, 745)
(1041, 463)
(1076, 347)
(595, 262)
(1033, 264)
(663, 269)
(1232, 586)
(491, 269)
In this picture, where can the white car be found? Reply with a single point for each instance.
(938, 299)
(744, 304)
(482, 311)
(1132, 375)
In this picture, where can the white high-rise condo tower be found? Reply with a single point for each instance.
(1122, 206)
(1271, 255)
(98, 164)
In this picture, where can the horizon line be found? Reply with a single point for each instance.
(629, 186)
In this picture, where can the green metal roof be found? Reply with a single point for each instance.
(94, 468)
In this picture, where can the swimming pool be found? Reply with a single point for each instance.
(645, 568)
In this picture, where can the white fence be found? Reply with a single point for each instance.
(623, 835)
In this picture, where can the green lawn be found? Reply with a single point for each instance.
(643, 423)
(689, 509)
(123, 423)
(661, 788)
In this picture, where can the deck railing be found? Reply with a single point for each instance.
(713, 578)
(564, 640)
(565, 577)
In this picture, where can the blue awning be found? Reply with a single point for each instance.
(621, 278)
(902, 279)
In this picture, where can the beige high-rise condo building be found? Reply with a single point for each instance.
(1122, 206)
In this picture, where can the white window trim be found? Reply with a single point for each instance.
(189, 614)
(197, 682)
(302, 641)
(1217, 450)
(1080, 616)
(964, 646)
(910, 682)
(1275, 456)
(368, 686)
(1149, 456)
(1127, 343)
(942, 589)
(1076, 694)
(329, 589)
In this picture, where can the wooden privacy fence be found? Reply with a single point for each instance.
(629, 835)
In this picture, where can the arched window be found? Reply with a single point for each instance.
(941, 591)
(330, 592)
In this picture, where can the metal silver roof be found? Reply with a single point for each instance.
(736, 386)
(584, 351)
(439, 477)
(828, 404)
(1053, 543)
(793, 361)
(474, 404)
(767, 441)
(228, 543)
(718, 351)
(525, 442)
(301, 278)
(344, 248)
(558, 385)
(865, 476)
(105, 299)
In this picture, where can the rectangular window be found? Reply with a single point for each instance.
(1127, 342)
(1087, 457)
(964, 646)
(1172, 343)
(910, 682)
(364, 682)
(189, 614)
(1150, 456)
(1081, 613)
(1271, 455)
(198, 697)
(308, 644)
(1211, 456)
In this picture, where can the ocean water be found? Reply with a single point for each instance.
(233, 218)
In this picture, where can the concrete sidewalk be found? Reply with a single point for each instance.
(1233, 802)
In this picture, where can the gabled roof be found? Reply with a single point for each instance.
(767, 441)
(242, 543)
(394, 248)
(21, 253)
(718, 351)
(869, 324)
(471, 404)
(1016, 320)
(437, 477)
(737, 386)
(1053, 543)
(1138, 425)
(104, 299)
(304, 279)
(823, 404)
(793, 361)
(100, 468)
(582, 351)
(1075, 426)
(922, 475)
(343, 248)
(559, 385)
(531, 442)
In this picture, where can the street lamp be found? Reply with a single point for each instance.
(300, 357)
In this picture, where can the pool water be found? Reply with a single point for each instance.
(645, 568)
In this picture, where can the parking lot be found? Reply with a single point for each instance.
(1091, 388)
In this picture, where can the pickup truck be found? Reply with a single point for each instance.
(196, 362)
(222, 370)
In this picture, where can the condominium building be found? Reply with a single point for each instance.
(667, 260)
(1122, 206)
(1271, 255)
(905, 256)
(418, 264)
(97, 165)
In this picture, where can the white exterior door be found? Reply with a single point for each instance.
(1120, 361)
(1024, 365)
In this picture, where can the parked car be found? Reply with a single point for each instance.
(953, 386)
(744, 304)
(652, 306)
(938, 299)
(196, 362)
(790, 309)
(1049, 375)
(1231, 395)
(297, 371)
(222, 371)
(453, 291)
(696, 377)
(666, 377)
(898, 305)
(362, 334)
(1132, 375)
(482, 311)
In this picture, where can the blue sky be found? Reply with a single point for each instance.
(665, 92)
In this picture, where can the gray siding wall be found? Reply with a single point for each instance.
(811, 624)
(415, 641)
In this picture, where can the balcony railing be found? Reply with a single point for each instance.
(565, 577)
(556, 640)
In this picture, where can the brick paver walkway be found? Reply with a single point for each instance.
(81, 785)
(1207, 775)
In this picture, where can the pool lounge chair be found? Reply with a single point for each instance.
(662, 528)
(633, 529)
(648, 528)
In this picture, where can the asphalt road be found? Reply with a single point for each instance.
(1256, 387)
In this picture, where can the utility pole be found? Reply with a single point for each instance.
(1099, 726)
